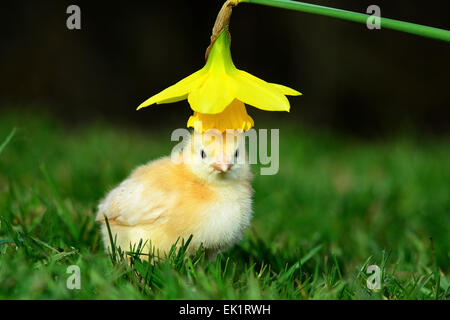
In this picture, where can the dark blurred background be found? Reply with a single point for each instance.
(359, 81)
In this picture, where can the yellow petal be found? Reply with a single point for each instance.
(286, 90)
(258, 93)
(173, 99)
(213, 96)
(178, 91)
(233, 117)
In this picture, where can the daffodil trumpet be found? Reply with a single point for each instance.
(218, 91)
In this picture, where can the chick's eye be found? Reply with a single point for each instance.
(236, 154)
(203, 154)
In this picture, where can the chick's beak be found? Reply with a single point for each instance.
(221, 166)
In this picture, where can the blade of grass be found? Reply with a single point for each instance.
(7, 140)
(111, 241)
(60, 207)
(310, 254)
(6, 241)
(437, 276)
(11, 232)
(417, 29)
(337, 267)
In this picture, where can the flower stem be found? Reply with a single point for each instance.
(417, 29)
(222, 22)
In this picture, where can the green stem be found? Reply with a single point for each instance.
(417, 29)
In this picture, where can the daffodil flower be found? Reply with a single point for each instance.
(218, 91)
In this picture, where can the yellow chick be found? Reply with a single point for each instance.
(202, 190)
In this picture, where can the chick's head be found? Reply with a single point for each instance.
(218, 157)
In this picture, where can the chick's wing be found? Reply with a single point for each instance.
(134, 202)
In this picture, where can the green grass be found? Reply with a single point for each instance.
(336, 206)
